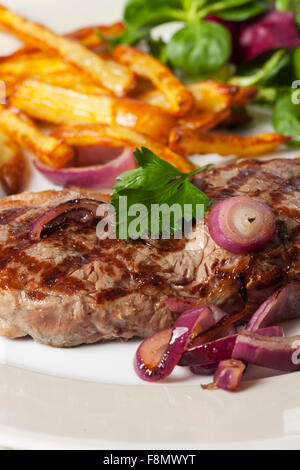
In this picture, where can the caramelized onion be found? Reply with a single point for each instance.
(77, 212)
(241, 224)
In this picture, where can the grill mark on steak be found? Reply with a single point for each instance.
(72, 288)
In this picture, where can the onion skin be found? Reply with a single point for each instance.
(157, 356)
(100, 176)
(241, 224)
(271, 352)
(282, 305)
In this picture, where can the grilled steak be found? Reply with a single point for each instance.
(72, 288)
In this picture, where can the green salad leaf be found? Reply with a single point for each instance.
(261, 75)
(199, 48)
(139, 13)
(244, 12)
(156, 182)
(286, 118)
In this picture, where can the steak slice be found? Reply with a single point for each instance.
(72, 288)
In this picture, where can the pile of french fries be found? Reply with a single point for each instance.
(94, 97)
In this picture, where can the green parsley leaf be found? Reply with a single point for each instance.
(154, 184)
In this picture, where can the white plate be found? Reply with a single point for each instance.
(118, 410)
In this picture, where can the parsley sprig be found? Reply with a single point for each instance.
(156, 182)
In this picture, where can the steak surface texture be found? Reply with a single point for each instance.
(72, 288)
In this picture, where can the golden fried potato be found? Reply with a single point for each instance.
(212, 96)
(204, 121)
(61, 106)
(48, 69)
(12, 165)
(187, 142)
(88, 37)
(244, 96)
(111, 75)
(32, 64)
(52, 151)
(143, 64)
(209, 96)
(155, 98)
(97, 134)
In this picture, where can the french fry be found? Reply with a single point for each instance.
(52, 151)
(12, 165)
(209, 96)
(61, 106)
(75, 82)
(212, 96)
(187, 142)
(86, 36)
(155, 98)
(244, 96)
(10, 83)
(48, 69)
(32, 64)
(97, 134)
(144, 65)
(204, 121)
(111, 75)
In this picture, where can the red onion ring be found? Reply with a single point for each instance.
(78, 211)
(241, 224)
(97, 168)
(158, 355)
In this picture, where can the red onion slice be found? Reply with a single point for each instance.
(78, 211)
(210, 354)
(158, 355)
(228, 376)
(241, 224)
(282, 305)
(97, 168)
(271, 352)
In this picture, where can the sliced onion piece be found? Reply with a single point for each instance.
(78, 212)
(271, 352)
(158, 355)
(96, 168)
(282, 305)
(210, 354)
(241, 224)
(228, 375)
